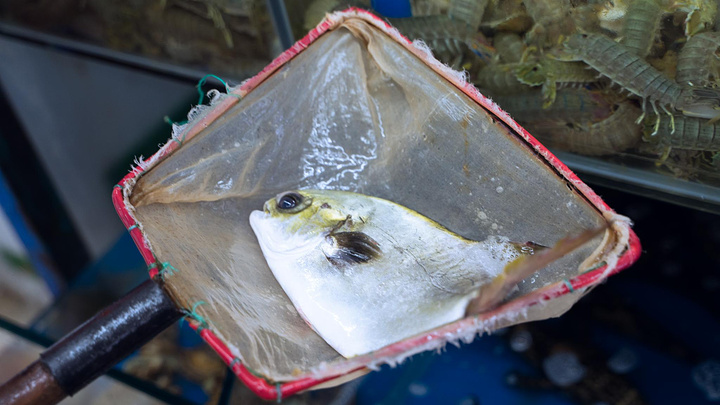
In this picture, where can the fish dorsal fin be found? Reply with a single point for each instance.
(344, 248)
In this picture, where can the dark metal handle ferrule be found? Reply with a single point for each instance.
(110, 336)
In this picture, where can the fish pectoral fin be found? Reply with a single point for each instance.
(350, 248)
(492, 294)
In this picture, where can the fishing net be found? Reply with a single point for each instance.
(354, 106)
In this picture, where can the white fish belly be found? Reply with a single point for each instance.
(362, 313)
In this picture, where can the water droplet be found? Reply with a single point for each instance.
(483, 216)
(499, 189)
(707, 377)
(494, 226)
(623, 361)
(563, 368)
(417, 389)
(521, 340)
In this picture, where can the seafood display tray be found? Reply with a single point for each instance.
(629, 177)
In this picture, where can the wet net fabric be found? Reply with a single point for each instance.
(354, 111)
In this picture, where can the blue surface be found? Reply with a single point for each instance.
(119, 270)
(392, 8)
(472, 374)
(477, 373)
(187, 337)
(191, 390)
(32, 243)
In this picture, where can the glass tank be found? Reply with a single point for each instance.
(625, 91)
(233, 38)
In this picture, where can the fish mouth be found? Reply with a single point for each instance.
(273, 240)
(258, 223)
(257, 216)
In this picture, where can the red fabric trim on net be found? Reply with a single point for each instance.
(261, 386)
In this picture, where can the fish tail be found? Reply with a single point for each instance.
(534, 258)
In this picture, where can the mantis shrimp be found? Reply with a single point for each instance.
(509, 46)
(697, 63)
(469, 11)
(500, 79)
(615, 61)
(614, 134)
(551, 21)
(690, 133)
(640, 26)
(576, 105)
(548, 73)
(449, 39)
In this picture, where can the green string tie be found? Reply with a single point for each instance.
(179, 141)
(195, 316)
(201, 99)
(202, 82)
(165, 269)
(595, 267)
(568, 284)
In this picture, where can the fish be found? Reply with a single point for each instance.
(365, 272)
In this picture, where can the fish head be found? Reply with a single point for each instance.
(296, 219)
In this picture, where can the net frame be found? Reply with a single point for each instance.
(410, 346)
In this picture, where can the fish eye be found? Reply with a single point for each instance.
(291, 202)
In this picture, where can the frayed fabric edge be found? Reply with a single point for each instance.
(178, 137)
